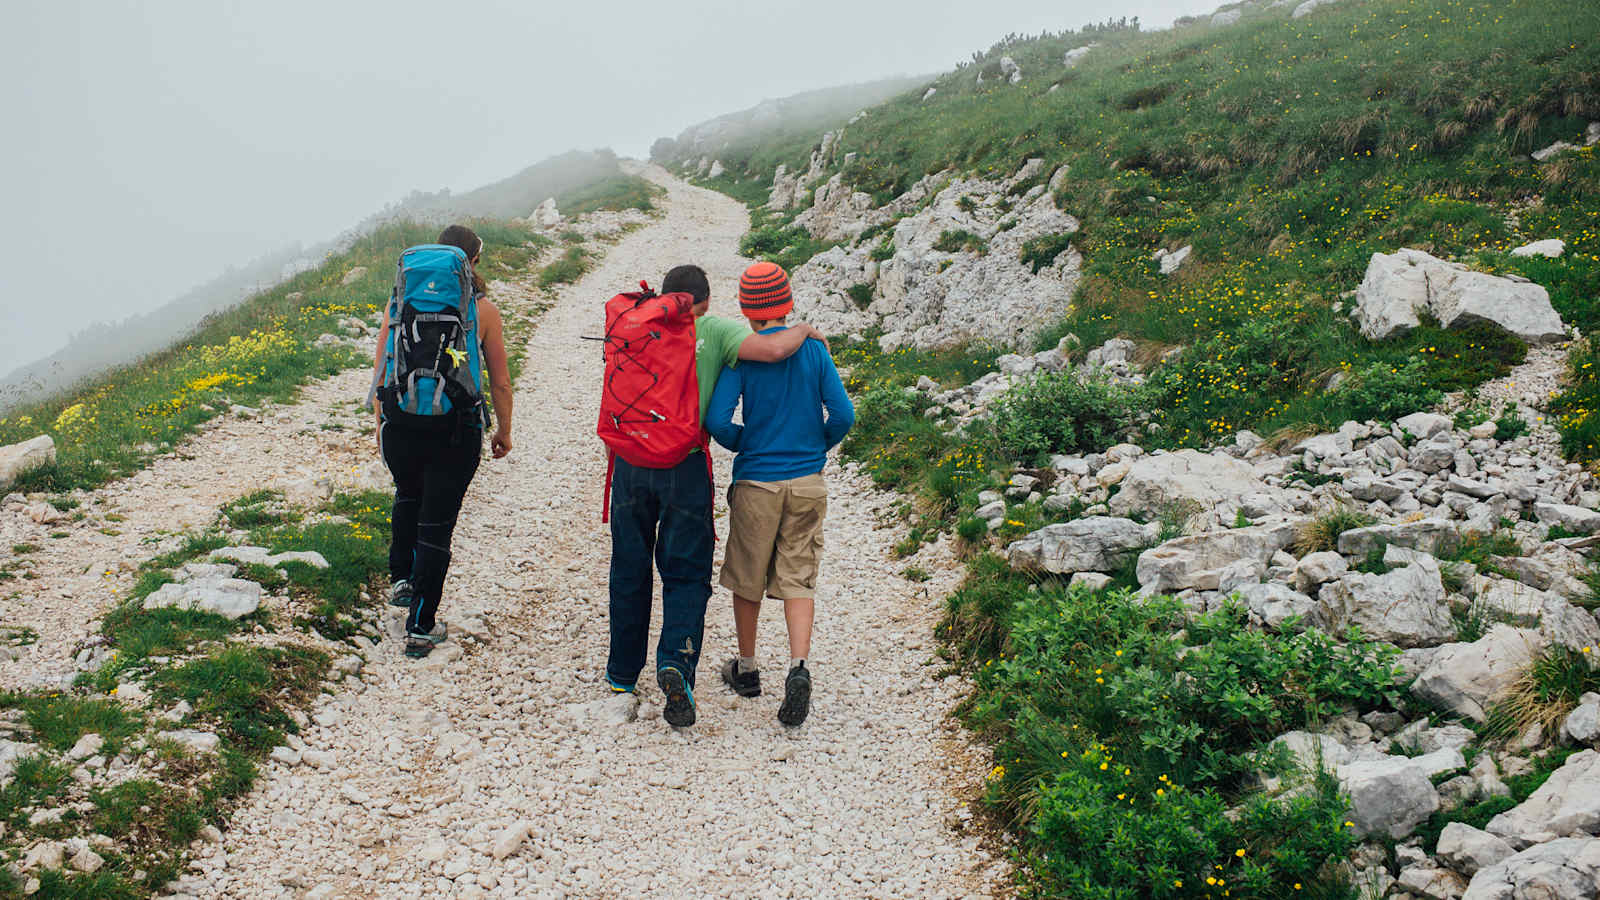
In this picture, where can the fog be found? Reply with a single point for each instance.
(152, 145)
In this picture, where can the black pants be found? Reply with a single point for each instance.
(431, 474)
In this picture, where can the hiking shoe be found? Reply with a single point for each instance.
(619, 688)
(421, 643)
(400, 594)
(679, 708)
(745, 684)
(796, 696)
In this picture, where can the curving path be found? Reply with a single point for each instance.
(430, 770)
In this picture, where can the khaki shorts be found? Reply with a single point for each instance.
(774, 537)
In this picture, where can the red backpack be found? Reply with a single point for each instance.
(650, 403)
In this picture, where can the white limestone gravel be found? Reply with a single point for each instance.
(431, 769)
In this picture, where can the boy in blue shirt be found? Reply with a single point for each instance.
(778, 498)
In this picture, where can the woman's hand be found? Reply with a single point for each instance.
(500, 446)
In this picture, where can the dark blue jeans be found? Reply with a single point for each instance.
(664, 513)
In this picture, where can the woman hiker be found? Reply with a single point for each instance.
(434, 456)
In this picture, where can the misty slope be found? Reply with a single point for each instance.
(591, 179)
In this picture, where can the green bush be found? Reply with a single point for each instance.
(1063, 413)
(1384, 391)
(1511, 425)
(1121, 747)
(860, 295)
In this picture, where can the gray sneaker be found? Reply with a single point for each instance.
(400, 594)
(421, 643)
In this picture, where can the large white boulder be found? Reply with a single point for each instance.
(1211, 486)
(1405, 607)
(31, 454)
(1466, 678)
(1091, 544)
(1423, 534)
(1198, 560)
(546, 215)
(1276, 604)
(1399, 286)
(1551, 247)
(1388, 795)
(1309, 7)
(1565, 869)
(1565, 805)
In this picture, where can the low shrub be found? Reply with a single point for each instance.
(1545, 692)
(960, 241)
(789, 246)
(860, 295)
(1063, 413)
(1322, 532)
(1041, 252)
(1121, 746)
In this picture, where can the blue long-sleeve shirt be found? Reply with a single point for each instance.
(784, 434)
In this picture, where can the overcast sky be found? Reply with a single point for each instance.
(150, 144)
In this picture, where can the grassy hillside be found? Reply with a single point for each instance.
(1286, 152)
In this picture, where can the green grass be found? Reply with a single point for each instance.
(59, 720)
(257, 352)
(244, 692)
(566, 269)
(617, 192)
(1287, 152)
(357, 555)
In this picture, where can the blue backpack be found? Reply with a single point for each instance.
(433, 368)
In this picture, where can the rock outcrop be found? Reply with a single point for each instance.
(1400, 286)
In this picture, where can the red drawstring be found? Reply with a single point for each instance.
(611, 466)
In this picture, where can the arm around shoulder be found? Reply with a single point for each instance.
(719, 414)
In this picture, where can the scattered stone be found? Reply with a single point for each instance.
(1552, 247)
(1567, 804)
(192, 740)
(87, 746)
(1405, 607)
(1565, 869)
(1468, 849)
(208, 588)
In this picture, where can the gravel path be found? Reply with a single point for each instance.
(431, 770)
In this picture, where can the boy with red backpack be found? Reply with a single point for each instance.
(663, 356)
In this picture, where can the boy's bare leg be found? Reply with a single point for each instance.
(798, 612)
(745, 614)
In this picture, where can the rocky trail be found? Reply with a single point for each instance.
(500, 766)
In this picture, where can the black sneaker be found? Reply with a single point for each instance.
(400, 594)
(796, 697)
(745, 684)
(679, 708)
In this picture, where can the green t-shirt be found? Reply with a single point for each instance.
(716, 345)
